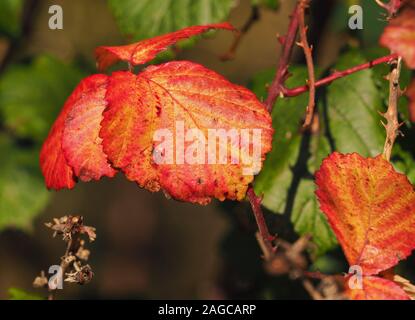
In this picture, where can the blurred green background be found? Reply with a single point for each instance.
(147, 246)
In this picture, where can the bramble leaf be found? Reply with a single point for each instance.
(30, 95)
(353, 103)
(81, 143)
(146, 50)
(119, 117)
(376, 288)
(371, 209)
(22, 195)
(167, 97)
(307, 218)
(149, 18)
(80, 120)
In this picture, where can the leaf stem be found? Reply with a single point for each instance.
(267, 238)
(310, 64)
(277, 86)
(337, 75)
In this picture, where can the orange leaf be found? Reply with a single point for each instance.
(80, 141)
(370, 207)
(376, 288)
(179, 97)
(128, 125)
(144, 51)
(55, 168)
(399, 36)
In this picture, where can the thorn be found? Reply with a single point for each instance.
(382, 114)
(383, 124)
(299, 44)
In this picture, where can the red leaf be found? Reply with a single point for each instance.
(164, 96)
(399, 36)
(127, 127)
(370, 207)
(376, 288)
(81, 143)
(144, 51)
(56, 170)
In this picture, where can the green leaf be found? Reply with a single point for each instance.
(270, 4)
(308, 219)
(32, 95)
(319, 149)
(306, 215)
(276, 176)
(22, 191)
(403, 162)
(148, 18)
(19, 294)
(10, 17)
(353, 103)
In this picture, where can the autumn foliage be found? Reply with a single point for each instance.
(370, 208)
(108, 123)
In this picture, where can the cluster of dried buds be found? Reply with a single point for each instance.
(72, 265)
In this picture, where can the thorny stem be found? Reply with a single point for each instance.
(276, 88)
(338, 74)
(267, 238)
(310, 64)
(391, 115)
(254, 17)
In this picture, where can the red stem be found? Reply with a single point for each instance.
(274, 91)
(259, 217)
(338, 74)
(282, 70)
(310, 64)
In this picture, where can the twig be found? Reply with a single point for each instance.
(254, 17)
(310, 64)
(337, 75)
(266, 237)
(391, 115)
(277, 86)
